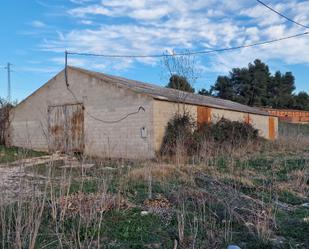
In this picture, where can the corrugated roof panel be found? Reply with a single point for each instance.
(173, 95)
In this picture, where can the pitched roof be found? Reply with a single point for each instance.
(173, 95)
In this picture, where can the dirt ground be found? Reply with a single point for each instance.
(16, 183)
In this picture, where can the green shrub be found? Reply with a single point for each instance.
(181, 129)
(226, 131)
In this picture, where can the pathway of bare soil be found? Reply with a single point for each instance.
(16, 183)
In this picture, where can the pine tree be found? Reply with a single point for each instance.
(180, 83)
(274, 91)
(205, 92)
(302, 101)
(255, 86)
(224, 88)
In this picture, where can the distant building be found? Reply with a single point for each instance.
(108, 116)
(290, 116)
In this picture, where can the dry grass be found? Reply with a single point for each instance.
(160, 172)
(90, 207)
(86, 204)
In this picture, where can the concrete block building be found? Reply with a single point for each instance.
(108, 116)
(289, 115)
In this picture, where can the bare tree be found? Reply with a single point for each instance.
(5, 108)
(180, 68)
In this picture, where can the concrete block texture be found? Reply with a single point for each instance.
(118, 122)
(113, 117)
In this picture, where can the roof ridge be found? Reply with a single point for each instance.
(170, 94)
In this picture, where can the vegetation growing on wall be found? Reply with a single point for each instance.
(226, 131)
(181, 130)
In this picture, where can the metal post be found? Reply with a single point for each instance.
(65, 67)
(8, 67)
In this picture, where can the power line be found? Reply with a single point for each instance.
(282, 15)
(158, 56)
(190, 53)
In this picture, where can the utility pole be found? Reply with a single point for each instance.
(8, 68)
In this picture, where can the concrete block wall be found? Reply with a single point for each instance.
(259, 122)
(217, 114)
(117, 139)
(29, 120)
(105, 102)
(163, 112)
(102, 101)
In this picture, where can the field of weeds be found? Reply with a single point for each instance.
(254, 196)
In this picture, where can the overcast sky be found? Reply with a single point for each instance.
(34, 35)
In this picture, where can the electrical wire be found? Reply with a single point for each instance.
(282, 15)
(140, 108)
(159, 56)
(193, 52)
